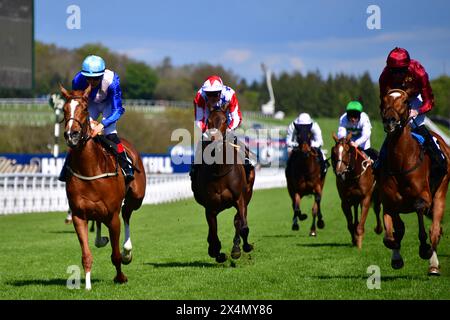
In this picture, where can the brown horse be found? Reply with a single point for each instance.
(304, 177)
(404, 182)
(355, 181)
(220, 182)
(96, 186)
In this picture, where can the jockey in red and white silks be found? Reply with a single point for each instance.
(214, 93)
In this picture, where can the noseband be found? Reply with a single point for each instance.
(85, 138)
(348, 165)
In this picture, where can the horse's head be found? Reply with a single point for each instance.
(76, 117)
(394, 110)
(342, 157)
(304, 136)
(217, 123)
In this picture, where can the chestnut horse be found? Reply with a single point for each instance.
(355, 181)
(303, 178)
(96, 186)
(404, 182)
(220, 183)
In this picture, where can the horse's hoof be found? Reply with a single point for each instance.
(120, 278)
(236, 252)
(397, 264)
(391, 244)
(434, 271)
(247, 247)
(295, 227)
(378, 230)
(425, 251)
(312, 233)
(302, 216)
(68, 221)
(221, 258)
(126, 258)
(100, 243)
(320, 224)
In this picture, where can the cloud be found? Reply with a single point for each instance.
(342, 43)
(237, 55)
(297, 63)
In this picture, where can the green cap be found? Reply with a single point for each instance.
(354, 106)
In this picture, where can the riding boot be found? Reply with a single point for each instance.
(126, 167)
(438, 160)
(63, 174)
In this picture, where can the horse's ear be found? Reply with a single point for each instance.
(64, 92)
(336, 139)
(225, 107)
(348, 137)
(87, 92)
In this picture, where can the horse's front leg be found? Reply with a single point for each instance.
(213, 239)
(100, 241)
(347, 209)
(298, 215)
(242, 209)
(236, 250)
(377, 209)
(315, 208)
(127, 245)
(81, 228)
(116, 258)
(425, 251)
(359, 234)
(393, 240)
(435, 228)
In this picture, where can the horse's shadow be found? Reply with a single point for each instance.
(330, 244)
(61, 231)
(280, 236)
(364, 277)
(193, 264)
(41, 282)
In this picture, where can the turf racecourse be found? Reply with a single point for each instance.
(171, 261)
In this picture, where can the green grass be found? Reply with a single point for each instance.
(171, 261)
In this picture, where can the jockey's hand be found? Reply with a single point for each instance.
(413, 113)
(354, 144)
(97, 129)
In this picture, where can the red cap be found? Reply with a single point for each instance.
(398, 58)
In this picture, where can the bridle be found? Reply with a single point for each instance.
(350, 166)
(399, 124)
(85, 136)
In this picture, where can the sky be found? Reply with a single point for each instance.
(286, 35)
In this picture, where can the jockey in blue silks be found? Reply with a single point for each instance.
(106, 99)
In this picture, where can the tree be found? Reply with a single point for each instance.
(139, 81)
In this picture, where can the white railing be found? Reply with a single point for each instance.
(20, 193)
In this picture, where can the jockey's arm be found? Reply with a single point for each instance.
(317, 140)
(290, 135)
(116, 103)
(426, 93)
(234, 113)
(365, 133)
(342, 130)
(200, 117)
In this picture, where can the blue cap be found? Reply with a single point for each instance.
(93, 66)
